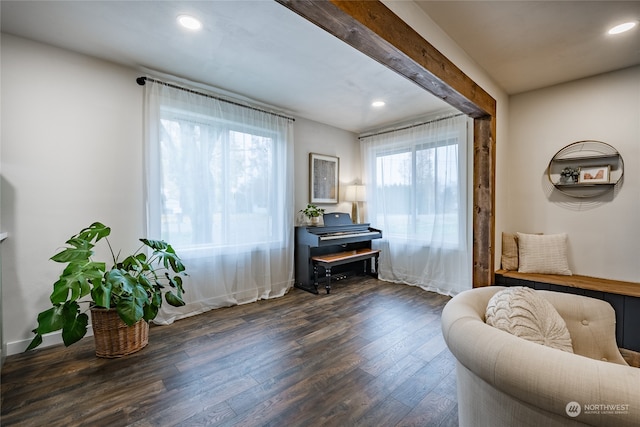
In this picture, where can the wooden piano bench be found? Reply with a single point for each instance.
(331, 260)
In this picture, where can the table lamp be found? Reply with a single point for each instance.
(355, 194)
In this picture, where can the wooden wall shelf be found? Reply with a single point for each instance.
(583, 156)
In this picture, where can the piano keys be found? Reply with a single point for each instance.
(338, 235)
(346, 235)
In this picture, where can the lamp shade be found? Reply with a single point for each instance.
(355, 193)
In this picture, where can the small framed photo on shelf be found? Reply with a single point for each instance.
(594, 175)
(323, 178)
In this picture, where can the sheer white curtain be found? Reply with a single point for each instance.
(417, 194)
(220, 191)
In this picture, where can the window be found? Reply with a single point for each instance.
(218, 183)
(219, 189)
(418, 196)
(418, 192)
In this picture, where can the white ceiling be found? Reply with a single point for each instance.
(261, 50)
(526, 45)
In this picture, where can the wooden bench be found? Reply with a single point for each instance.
(577, 281)
(330, 260)
(623, 296)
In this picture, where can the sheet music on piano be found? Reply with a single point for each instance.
(338, 234)
(336, 219)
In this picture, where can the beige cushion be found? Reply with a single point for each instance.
(544, 254)
(525, 314)
(510, 251)
(509, 258)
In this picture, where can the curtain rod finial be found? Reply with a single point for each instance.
(141, 80)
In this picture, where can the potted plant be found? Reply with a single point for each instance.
(126, 296)
(313, 213)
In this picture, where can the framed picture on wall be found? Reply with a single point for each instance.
(323, 178)
(594, 175)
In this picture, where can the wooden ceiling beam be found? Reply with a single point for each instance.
(371, 28)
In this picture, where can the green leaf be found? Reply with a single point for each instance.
(95, 231)
(61, 290)
(153, 305)
(150, 312)
(73, 282)
(101, 293)
(60, 316)
(101, 230)
(174, 259)
(156, 298)
(51, 320)
(156, 245)
(133, 263)
(122, 283)
(89, 270)
(173, 299)
(73, 331)
(37, 340)
(144, 281)
(140, 293)
(175, 282)
(130, 310)
(171, 261)
(78, 243)
(166, 253)
(73, 254)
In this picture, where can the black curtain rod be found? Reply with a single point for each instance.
(410, 126)
(142, 80)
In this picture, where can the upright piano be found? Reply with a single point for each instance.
(334, 251)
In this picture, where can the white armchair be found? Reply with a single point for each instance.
(504, 380)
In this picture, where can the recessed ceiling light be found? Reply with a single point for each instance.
(622, 27)
(378, 104)
(189, 22)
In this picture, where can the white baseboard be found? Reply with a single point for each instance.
(48, 340)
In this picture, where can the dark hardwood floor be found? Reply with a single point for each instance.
(369, 354)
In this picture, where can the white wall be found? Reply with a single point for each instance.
(71, 143)
(314, 137)
(72, 154)
(604, 233)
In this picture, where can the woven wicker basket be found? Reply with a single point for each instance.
(113, 337)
